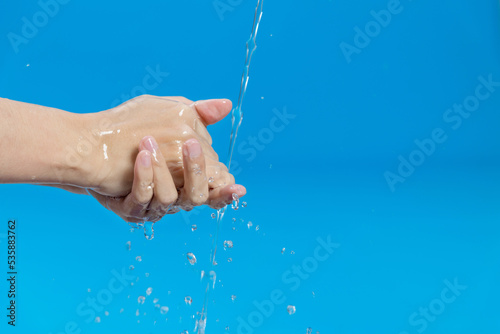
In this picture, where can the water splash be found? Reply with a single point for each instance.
(236, 119)
(236, 202)
(149, 232)
(237, 112)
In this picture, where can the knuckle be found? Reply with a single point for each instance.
(168, 199)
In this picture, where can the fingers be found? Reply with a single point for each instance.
(195, 190)
(165, 192)
(219, 175)
(212, 111)
(181, 99)
(137, 202)
(133, 207)
(220, 197)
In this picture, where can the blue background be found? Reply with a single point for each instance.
(322, 175)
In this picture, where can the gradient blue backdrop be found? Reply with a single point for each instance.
(321, 175)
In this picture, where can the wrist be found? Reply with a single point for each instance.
(79, 163)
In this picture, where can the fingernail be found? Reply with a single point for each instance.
(146, 159)
(193, 148)
(151, 145)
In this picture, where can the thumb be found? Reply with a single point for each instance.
(212, 111)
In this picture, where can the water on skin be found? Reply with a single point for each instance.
(236, 119)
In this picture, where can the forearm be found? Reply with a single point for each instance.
(36, 144)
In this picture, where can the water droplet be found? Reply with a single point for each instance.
(290, 309)
(157, 305)
(137, 313)
(234, 228)
(106, 313)
(149, 231)
(193, 228)
(88, 290)
(229, 259)
(257, 228)
(146, 274)
(227, 328)
(138, 258)
(97, 319)
(283, 250)
(244, 204)
(228, 244)
(233, 297)
(149, 291)
(314, 294)
(211, 179)
(292, 252)
(184, 332)
(234, 220)
(156, 300)
(236, 202)
(121, 310)
(202, 274)
(188, 300)
(136, 225)
(309, 330)
(213, 215)
(164, 309)
(128, 245)
(249, 224)
(213, 277)
(141, 299)
(191, 258)
(131, 267)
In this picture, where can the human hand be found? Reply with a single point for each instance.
(174, 124)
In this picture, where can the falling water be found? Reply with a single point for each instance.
(236, 119)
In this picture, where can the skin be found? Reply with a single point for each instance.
(143, 159)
